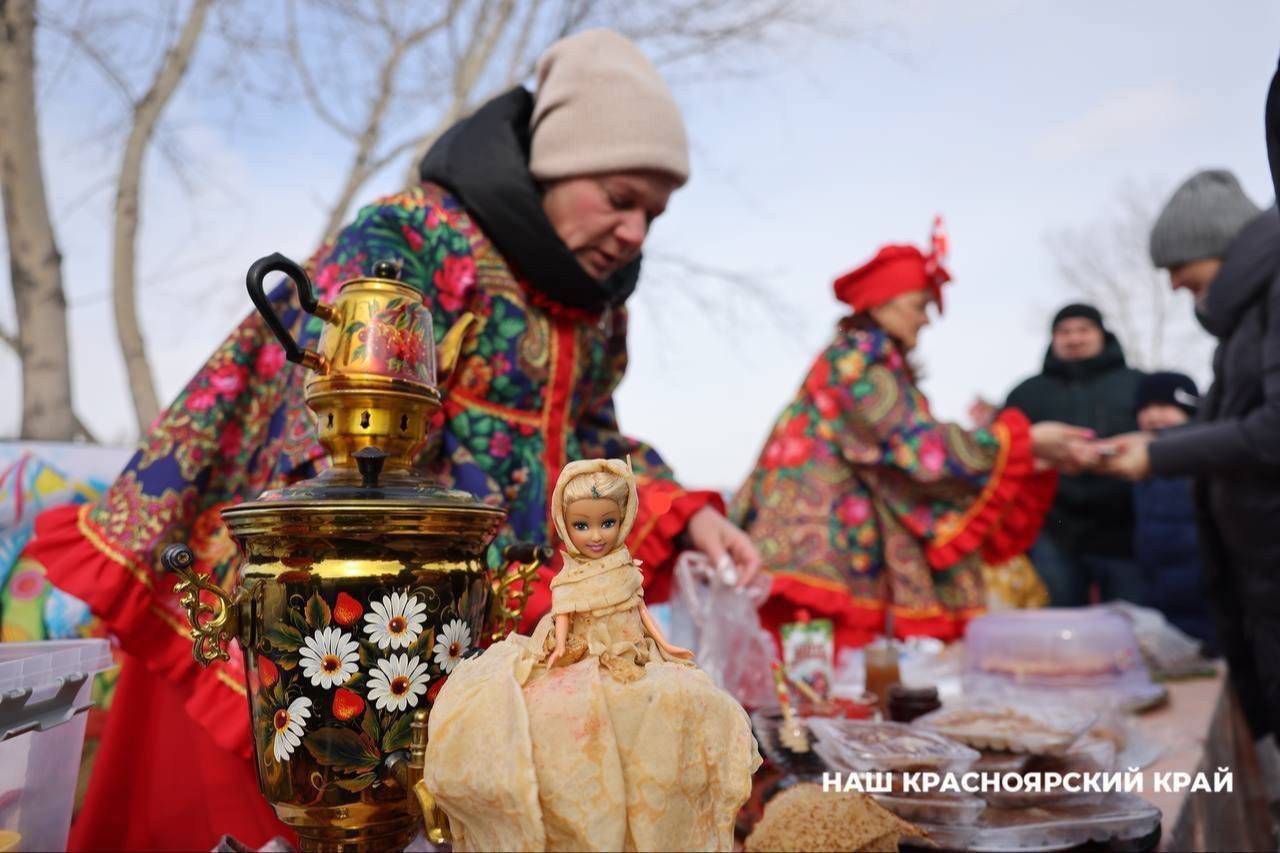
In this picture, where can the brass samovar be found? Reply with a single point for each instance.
(359, 589)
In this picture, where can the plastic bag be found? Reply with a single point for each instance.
(720, 622)
(1169, 652)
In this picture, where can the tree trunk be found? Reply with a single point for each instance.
(35, 265)
(146, 116)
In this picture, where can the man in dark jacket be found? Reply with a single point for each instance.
(1088, 535)
(1218, 245)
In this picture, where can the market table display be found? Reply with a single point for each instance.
(1044, 695)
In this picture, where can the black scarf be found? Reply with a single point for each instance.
(484, 161)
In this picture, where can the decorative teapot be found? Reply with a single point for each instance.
(359, 589)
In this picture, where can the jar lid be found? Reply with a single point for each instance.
(904, 693)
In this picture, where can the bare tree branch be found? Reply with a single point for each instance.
(85, 44)
(364, 159)
(146, 115)
(83, 431)
(519, 65)
(1106, 263)
(9, 339)
(486, 46)
(310, 90)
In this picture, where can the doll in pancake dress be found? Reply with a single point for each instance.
(594, 733)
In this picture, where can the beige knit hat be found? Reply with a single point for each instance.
(601, 106)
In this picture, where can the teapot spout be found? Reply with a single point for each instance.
(451, 347)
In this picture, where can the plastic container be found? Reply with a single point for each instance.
(1088, 755)
(1090, 651)
(934, 809)
(44, 689)
(864, 746)
(1117, 817)
(1011, 725)
(1001, 762)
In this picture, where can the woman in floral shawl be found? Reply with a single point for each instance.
(861, 501)
(531, 215)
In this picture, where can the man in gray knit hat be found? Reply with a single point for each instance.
(1197, 227)
(1216, 243)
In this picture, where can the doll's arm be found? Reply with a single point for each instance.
(654, 631)
(562, 636)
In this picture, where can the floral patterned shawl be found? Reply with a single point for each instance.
(861, 501)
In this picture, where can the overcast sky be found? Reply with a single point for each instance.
(1013, 119)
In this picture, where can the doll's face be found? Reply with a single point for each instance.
(594, 524)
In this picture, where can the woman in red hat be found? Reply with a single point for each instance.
(861, 501)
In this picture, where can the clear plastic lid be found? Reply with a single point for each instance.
(934, 808)
(44, 684)
(1115, 817)
(992, 761)
(1089, 754)
(1010, 725)
(40, 666)
(864, 745)
(1054, 647)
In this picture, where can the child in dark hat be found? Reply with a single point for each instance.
(1166, 542)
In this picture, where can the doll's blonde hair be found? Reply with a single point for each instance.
(596, 485)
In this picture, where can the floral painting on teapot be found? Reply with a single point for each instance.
(338, 678)
(395, 340)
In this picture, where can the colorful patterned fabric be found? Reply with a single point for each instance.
(31, 608)
(533, 390)
(861, 500)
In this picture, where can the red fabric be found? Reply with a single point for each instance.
(160, 782)
(1008, 515)
(855, 623)
(896, 269)
(141, 624)
(665, 510)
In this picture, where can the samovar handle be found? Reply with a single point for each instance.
(522, 561)
(256, 280)
(434, 822)
(450, 349)
(211, 626)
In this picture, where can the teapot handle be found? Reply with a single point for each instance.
(256, 282)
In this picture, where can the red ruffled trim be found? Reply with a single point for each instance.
(215, 697)
(1006, 518)
(856, 622)
(665, 510)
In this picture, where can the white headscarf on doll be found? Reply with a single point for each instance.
(617, 467)
(596, 584)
